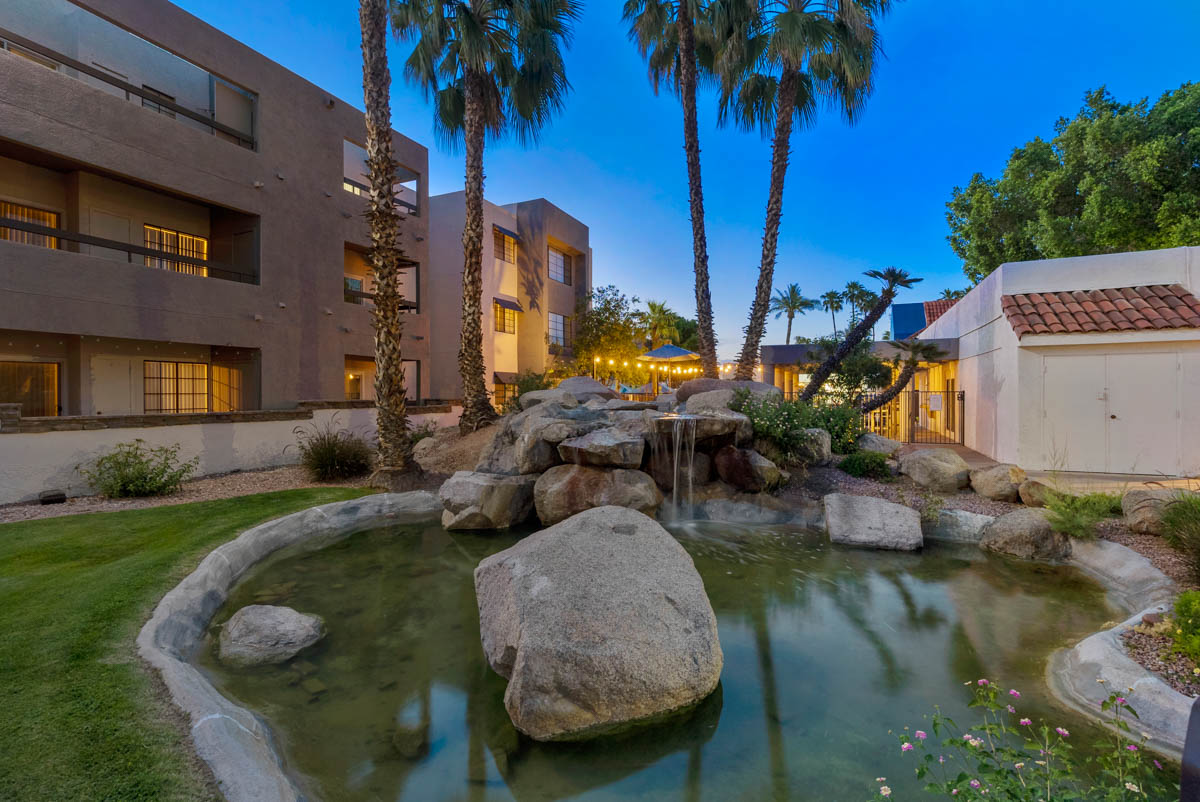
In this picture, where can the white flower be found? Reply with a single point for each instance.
(1131, 787)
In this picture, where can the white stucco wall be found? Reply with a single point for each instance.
(33, 462)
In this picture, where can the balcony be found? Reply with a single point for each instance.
(358, 282)
(355, 179)
(72, 41)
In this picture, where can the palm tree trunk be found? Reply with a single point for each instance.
(691, 147)
(787, 339)
(395, 448)
(853, 338)
(780, 149)
(477, 410)
(902, 380)
(833, 315)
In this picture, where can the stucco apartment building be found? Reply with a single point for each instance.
(537, 269)
(181, 221)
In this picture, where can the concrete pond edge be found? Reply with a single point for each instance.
(234, 742)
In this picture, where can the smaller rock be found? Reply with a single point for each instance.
(1152, 619)
(1144, 509)
(818, 449)
(1034, 493)
(958, 526)
(721, 424)
(620, 404)
(696, 386)
(998, 482)
(872, 522)
(260, 634)
(874, 442)
(1026, 534)
(534, 397)
(604, 448)
(475, 500)
(411, 743)
(596, 402)
(588, 387)
(711, 401)
(747, 470)
(938, 469)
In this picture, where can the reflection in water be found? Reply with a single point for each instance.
(825, 650)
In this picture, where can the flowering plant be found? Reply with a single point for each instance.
(1006, 756)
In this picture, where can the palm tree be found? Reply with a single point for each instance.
(665, 35)
(395, 446)
(660, 324)
(491, 67)
(952, 295)
(779, 62)
(855, 293)
(917, 351)
(892, 279)
(791, 303)
(831, 302)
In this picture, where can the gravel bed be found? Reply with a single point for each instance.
(1154, 653)
(206, 488)
(1170, 561)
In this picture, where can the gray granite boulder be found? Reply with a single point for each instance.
(696, 386)
(662, 469)
(567, 490)
(710, 401)
(620, 404)
(535, 397)
(597, 623)
(817, 448)
(604, 448)
(998, 482)
(725, 424)
(874, 442)
(262, 634)
(871, 523)
(585, 388)
(486, 500)
(747, 470)
(938, 469)
(1144, 508)
(1026, 534)
(528, 441)
(958, 526)
(1033, 493)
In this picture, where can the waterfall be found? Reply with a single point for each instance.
(682, 434)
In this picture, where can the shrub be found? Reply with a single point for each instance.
(328, 453)
(1181, 527)
(869, 464)
(1077, 516)
(784, 422)
(131, 469)
(1006, 755)
(527, 382)
(1187, 624)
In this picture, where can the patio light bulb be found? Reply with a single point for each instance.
(624, 364)
(597, 359)
(610, 362)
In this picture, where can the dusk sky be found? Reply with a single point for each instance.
(964, 81)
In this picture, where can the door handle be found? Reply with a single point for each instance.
(1113, 417)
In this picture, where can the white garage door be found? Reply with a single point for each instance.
(1115, 413)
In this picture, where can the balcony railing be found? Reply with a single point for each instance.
(364, 191)
(368, 299)
(163, 260)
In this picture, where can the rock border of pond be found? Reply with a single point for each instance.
(236, 743)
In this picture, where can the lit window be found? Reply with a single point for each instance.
(560, 330)
(503, 393)
(228, 386)
(354, 385)
(505, 246)
(165, 239)
(33, 385)
(176, 386)
(506, 319)
(560, 266)
(28, 214)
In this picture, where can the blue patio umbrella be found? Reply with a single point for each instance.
(665, 356)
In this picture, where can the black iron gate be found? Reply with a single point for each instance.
(920, 416)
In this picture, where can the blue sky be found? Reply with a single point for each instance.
(963, 83)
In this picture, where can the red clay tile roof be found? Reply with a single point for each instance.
(935, 309)
(1154, 306)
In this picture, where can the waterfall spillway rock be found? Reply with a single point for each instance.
(676, 434)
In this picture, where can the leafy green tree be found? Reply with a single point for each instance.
(859, 372)
(491, 67)
(1117, 177)
(790, 302)
(610, 327)
(689, 333)
(915, 351)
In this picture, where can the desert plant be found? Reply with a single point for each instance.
(866, 464)
(328, 453)
(1181, 526)
(1187, 624)
(783, 422)
(132, 469)
(1077, 516)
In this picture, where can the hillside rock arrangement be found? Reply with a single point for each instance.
(262, 634)
(597, 622)
(566, 490)
(938, 469)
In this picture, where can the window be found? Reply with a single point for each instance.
(176, 386)
(148, 103)
(165, 239)
(506, 319)
(354, 386)
(560, 266)
(28, 214)
(506, 247)
(33, 385)
(560, 330)
(353, 292)
(17, 50)
(503, 394)
(228, 383)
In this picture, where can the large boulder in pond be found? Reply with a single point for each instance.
(1026, 534)
(263, 634)
(567, 490)
(475, 500)
(938, 469)
(878, 443)
(1144, 508)
(747, 470)
(604, 448)
(696, 386)
(872, 522)
(598, 622)
(998, 482)
(585, 388)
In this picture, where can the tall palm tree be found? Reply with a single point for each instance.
(790, 302)
(395, 446)
(952, 295)
(916, 352)
(491, 67)
(660, 324)
(665, 34)
(784, 61)
(892, 279)
(855, 293)
(831, 302)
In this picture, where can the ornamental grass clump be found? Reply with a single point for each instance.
(1006, 755)
(330, 454)
(132, 469)
(1181, 527)
(1186, 633)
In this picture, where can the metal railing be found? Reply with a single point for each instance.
(155, 99)
(920, 416)
(368, 299)
(363, 191)
(638, 396)
(178, 263)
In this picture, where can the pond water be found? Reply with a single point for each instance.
(826, 649)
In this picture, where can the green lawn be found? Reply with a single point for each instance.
(80, 716)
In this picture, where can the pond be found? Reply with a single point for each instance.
(826, 649)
